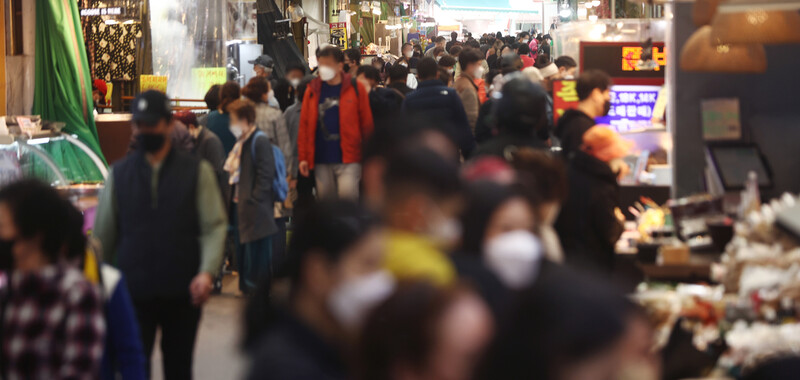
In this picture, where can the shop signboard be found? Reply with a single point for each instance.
(205, 77)
(620, 60)
(565, 97)
(339, 34)
(631, 108)
(109, 11)
(153, 82)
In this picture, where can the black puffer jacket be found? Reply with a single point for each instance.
(587, 225)
(570, 129)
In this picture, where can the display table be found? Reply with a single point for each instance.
(698, 269)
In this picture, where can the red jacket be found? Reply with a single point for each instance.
(527, 61)
(355, 121)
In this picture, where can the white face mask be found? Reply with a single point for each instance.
(442, 230)
(478, 73)
(294, 82)
(451, 70)
(237, 131)
(438, 59)
(403, 64)
(514, 257)
(409, 54)
(525, 41)
(352, 301)
(326, 73)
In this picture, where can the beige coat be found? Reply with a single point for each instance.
(468, 92)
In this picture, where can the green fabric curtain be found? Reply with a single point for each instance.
(63, 90)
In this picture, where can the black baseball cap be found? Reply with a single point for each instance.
(263, 60)
(151, 106)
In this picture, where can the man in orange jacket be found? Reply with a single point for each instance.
(334, 121)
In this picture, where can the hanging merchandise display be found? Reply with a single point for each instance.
(114, 49)
(242, 23)
(63, 90)
(297, 16)
(277, 45)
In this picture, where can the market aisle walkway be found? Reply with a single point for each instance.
(217, 355)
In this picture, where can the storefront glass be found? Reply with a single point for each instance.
(188, 35)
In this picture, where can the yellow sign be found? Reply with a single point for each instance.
(110, 91)
(632, 54)
(153, 82)
(339, 34)
(568, 91)
(205, 77)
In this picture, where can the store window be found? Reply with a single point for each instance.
(528, 26)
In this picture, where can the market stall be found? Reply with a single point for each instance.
(746, 315)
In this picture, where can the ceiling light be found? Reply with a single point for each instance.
(701, 53)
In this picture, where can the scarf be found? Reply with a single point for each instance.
(232, 164)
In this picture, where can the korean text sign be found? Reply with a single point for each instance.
(205, 77)
(631, 108)
(565, 96)
(339, 34)
(153, 82)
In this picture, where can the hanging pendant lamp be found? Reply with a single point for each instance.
(759, 21)
(703, 11)
(702, 53)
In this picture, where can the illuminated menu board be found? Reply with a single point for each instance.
(621, 61)
(631, 108)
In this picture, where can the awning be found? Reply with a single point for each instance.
(504, 6)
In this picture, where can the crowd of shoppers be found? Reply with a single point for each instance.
(435, 231)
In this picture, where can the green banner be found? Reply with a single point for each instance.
(63, 89)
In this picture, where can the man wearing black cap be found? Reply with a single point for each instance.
(263, 66)
(162, 223)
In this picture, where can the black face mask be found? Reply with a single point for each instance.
(150, 142)
(606, 107)
(346, 68)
